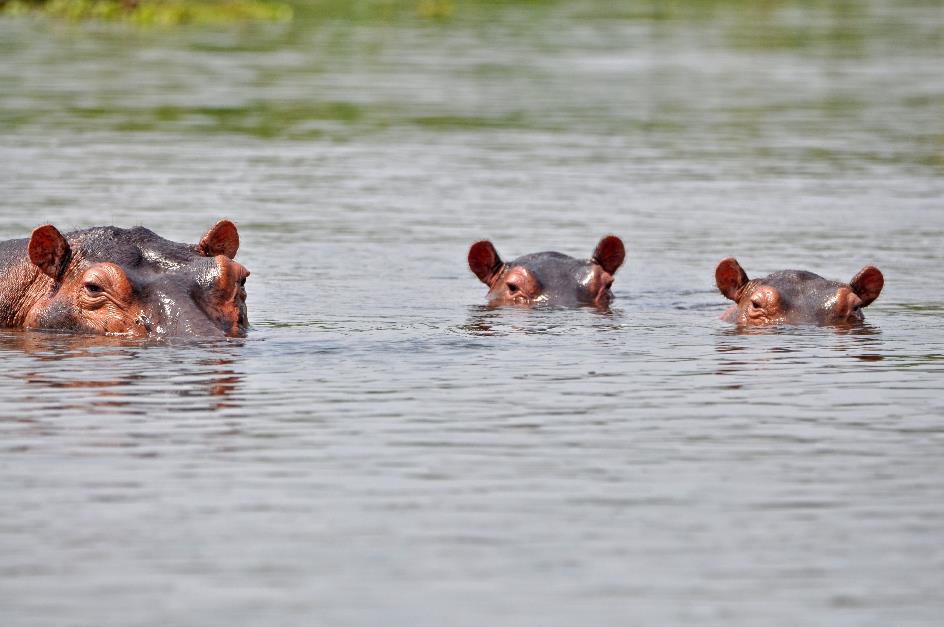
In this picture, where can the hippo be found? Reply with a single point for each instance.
(125, 282)
(549, 278)
(795, 296)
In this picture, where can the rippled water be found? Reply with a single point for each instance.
(384, 450)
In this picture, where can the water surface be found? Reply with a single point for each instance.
(384, 450)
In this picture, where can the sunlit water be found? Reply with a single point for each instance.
(384, 450)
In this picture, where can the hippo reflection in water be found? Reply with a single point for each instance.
(549, 278)
(128, 282)
(796, 296)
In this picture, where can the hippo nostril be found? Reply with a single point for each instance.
(142, 321)
(228, 279)
(854, 306)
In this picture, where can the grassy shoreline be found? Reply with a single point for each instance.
(153, 12)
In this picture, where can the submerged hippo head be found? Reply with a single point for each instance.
(796, 296)
(132, 282)
(549, 278)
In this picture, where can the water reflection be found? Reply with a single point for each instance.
(860, 328)
(800, 344)
(78, 372)
(486, 320)
(53, 346)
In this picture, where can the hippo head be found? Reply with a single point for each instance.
(131, 282)
(796, 296)
(549, 278)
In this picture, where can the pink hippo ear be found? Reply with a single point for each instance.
(484, 261)
(610, 253)
(730, 277)
(221, 239)
(49, 251)
(868, 284)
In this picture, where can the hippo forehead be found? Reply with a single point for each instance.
(802, 291)
(150, 261)
(137, 248)
(558, 274)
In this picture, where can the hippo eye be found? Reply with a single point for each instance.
(93, 288)
(755, 303)
(512, 288)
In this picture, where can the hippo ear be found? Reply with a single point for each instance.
(484, 261)
(868, 284)
(49, 251)
(730, 277)
(221, 239)
(610, 253)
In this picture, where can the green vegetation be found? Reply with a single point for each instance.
(174, 12)
(259, 119)
(153, 12)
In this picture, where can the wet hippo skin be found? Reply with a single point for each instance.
(129, 282)
(795, 296)
(549, 278)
